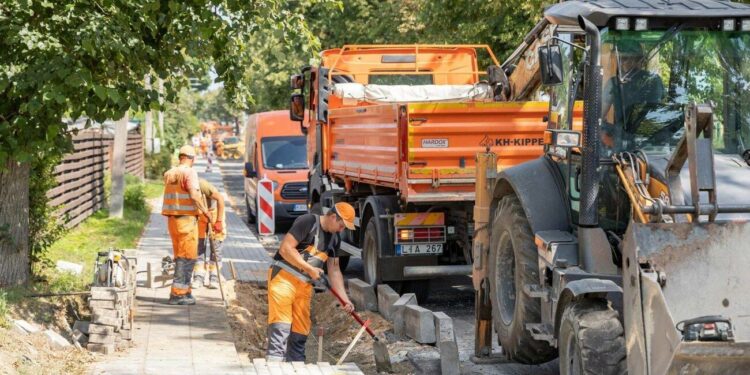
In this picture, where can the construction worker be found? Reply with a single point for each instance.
(182, 205)
(216, 237)
(310, 243)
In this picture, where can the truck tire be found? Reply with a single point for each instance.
(591, 340)
(370, 247)
(513, 263)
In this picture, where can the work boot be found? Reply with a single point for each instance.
(189, 299)
(176, 300)
(197, 282)
(213, 282)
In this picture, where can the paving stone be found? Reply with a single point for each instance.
(82, 325)
(446, 343)
(24, 327)
(386, 298)
(101, 348)
(362, 295)
(104, 304)
(80, 337)
(104, 293)
(114, 322)
(397, 312)
(419, 324)
(97, 338)
(56, 341)
(100, 329)
(126, 334)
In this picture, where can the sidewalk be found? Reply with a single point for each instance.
(195, 339)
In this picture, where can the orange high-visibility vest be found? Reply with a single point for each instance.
(177, 200)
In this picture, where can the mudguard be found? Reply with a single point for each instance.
(540, 188)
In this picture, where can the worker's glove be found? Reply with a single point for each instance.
(218, 227)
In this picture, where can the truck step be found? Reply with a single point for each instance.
(541, 332)
(536, 291)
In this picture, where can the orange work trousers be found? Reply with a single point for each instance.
(288, 316)
(184, 233)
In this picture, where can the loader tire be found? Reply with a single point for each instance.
(591, 340)
(513, 263)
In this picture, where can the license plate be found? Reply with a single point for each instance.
(300, 207)
(420, 249)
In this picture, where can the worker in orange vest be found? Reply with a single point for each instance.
(216, 237)
(183, 203)
(310, 244)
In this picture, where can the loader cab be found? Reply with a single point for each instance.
(651, 69)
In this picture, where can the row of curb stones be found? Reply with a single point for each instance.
(409, 319)
(112, 313)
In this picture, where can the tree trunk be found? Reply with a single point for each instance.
(14, 223)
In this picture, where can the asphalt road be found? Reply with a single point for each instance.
(452, 295)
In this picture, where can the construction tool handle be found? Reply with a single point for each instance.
(354, 314)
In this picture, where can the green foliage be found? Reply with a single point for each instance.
(213, 105)
(135, 195)
(80, 57)
(4, 309)
(180, 121)
(44, 226)
(157, 164)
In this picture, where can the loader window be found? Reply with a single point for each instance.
(572, 88)
(651, 75)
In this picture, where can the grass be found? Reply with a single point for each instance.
(153, 189)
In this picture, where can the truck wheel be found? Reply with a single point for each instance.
(370, 254)
(591, 340)
(513, 264)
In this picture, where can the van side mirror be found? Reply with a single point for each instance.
(296, 81)
(297, 107)
(551, 66)
(249, 171)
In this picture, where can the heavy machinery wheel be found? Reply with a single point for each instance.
(591, 340)
(370, 248)
(513, 264)
(250, 216)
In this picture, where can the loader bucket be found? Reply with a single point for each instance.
(676, 272)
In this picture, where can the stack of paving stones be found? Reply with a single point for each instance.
(261, 367)
(112, 313)
(410, 320)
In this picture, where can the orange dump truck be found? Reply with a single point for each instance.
(394, 130)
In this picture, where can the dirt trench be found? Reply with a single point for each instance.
(248, 313)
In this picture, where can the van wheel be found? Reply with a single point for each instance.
(513, 263)
(591, 340)
(250, 216)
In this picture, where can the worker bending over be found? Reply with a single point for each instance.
(182, 205)
(311, 243)
(215, 236)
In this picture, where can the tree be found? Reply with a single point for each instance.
(89, 58)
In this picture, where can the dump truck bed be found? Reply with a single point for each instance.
(427, 150)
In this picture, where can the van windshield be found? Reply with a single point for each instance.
(284, 152)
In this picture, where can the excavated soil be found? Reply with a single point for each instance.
(248, 314)
(31, 353)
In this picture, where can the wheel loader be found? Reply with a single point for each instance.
(625, 248)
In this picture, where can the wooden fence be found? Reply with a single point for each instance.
(80, 175)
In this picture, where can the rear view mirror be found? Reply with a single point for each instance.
(297, 107)
(249, 171)
(296, 81)
(551, 66)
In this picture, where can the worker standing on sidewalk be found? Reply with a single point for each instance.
(216, 237)
(311, 243)
(182, 205)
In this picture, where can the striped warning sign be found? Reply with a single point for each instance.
(266, 214)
